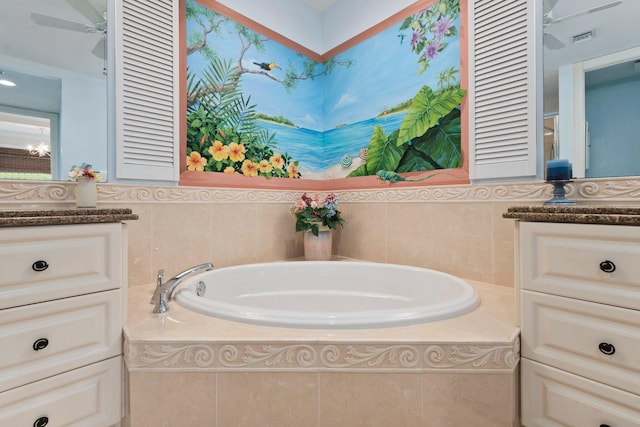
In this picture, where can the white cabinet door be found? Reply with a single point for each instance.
(89, 397)
(45, 339)
(44, 263)
(558, 399)
(599, 263)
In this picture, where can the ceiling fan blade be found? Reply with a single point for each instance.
(87, 10)
(99, 49)
(552, 42)
(587, 11)
(50, 21)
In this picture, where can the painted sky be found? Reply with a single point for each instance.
(385, 74)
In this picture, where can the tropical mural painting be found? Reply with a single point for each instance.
(389, 105)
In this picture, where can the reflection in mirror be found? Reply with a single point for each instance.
(579, 32)
(26, 142)
(54, 51)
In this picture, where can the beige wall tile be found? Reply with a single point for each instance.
(478, 400)
(267, 399)
(140, 242)
(364, 233)
(233, 233)
(276, 235)
(463, 235)
(409, 236)
(172, 399)
(503, 246)
(181, 236)
(370, 399)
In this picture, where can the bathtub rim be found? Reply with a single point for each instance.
(467, 301)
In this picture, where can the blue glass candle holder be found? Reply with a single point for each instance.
(559, 193)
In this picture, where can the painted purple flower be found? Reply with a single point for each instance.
(442, 26)
(415, 37)
(432, 49)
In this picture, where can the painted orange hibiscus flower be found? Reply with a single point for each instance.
(195, 162)
(249, 168)
(292, 169)
(236, 152)
(265, 166)
(277, 161)
(218, 151)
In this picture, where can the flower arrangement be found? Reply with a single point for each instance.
(83, 171)
(311, 213)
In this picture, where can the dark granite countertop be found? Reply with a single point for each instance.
(622, 215)
(25, 218)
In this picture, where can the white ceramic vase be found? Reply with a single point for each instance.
(86, 193)
(318, 248)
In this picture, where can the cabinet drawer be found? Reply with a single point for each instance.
(44, 263)
(559, 399)
(565, 259)
(597, 341)
(88, 396)
(78, 331)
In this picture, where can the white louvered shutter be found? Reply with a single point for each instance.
(504, 109)
(147, 90)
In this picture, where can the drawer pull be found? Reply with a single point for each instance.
(41, 422)
(40, 265)
(42, 343)
(607, 266)
(604, 425)
(607, 348)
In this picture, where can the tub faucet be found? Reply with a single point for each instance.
(164, 290)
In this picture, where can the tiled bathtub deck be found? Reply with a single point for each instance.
(188, 368)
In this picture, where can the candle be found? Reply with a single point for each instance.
(559, 170)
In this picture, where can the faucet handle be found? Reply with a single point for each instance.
(160, 277)
(159, 282)
(161, 306)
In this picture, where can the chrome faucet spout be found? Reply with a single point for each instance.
(164, 290)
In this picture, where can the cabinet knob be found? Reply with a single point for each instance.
(607, 348)
(40, 344)
(40, 265)
(607, 266)
(41, 422)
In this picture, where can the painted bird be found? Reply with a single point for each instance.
(267, 66)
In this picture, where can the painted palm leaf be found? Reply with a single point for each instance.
(425, 111)
(384, 153)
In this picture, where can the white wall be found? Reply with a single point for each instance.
(348, 18)
(292, 19)
(319, 32)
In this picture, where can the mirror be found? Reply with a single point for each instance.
(585, 44)
(54, 96)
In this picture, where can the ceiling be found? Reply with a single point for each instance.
(320, 5)
(21, 37)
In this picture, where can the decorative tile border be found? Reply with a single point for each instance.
(376, 357)
(16, 193)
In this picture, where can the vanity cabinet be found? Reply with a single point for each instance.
(62, 294)
(579, 312)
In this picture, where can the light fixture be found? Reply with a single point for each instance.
(42, 150)
(5, 82)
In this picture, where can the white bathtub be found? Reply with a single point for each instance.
(328, 294)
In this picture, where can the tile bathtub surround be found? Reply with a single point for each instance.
(456, 229)
(256, 375)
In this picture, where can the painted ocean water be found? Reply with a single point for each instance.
(302, 144)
